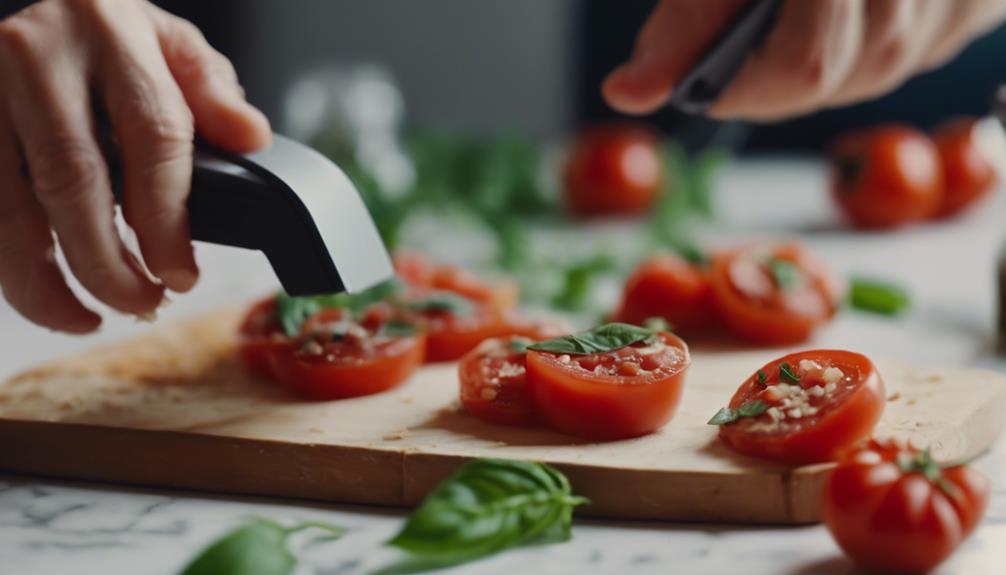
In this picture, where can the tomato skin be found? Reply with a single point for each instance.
(967, 176)
(838, 430)
(348, 376)
(508, 401)
(890, 520)
(886, 176)
(604, 407)
(613, 169)
(667, 286)
(259, 336)
(783, 317)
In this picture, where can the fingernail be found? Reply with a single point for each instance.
(179, 280)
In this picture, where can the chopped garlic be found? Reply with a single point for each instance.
(809, 365)
(794, 413)
(564, 358)
(832, 375)
(775, 413)
(830, 387)
(816, 391)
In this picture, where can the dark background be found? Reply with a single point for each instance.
(526, 66)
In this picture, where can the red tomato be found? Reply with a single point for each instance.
(667, 286)
(260, 334)
(835, 404)
(891, 509)
(535, 328)
(450, 336)
(886, 176)
(414, 268)
(613, 169)
(967, 176)
(494, 382)
(624, 393)
(360, 361)
(501, 295)
(772, 294)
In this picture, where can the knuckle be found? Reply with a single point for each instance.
(65, 171)
(17, 36)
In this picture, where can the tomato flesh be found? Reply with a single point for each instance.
(892, 520)
(836, 404)
(967, 175)
(671, 288)
(259, 335)
(624, 393)
(757, 308)
(494, 383)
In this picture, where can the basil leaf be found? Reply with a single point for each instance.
(398, 328)
(259, 547)
(519, 344)
(443, 301)
(608, 337)
(292, 312)
(877, 296)
(786, 373)
(578, 280)
(762, 378)
(487, 506)
(750, 409)
(785, 273)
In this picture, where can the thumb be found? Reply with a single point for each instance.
(209, 83)
(674, 36)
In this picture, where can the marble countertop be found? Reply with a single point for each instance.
(56, 527)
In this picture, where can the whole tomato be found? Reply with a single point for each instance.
(886, 176)
(967, 176)
(893, 509)
(613, 169)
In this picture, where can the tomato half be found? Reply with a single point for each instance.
(613, 169)
(350, 360)
(772, 294)
(624, 393)
(967, 176)
(672, 288)
(494, 382)
(501, 295)
(260, 334)
(886, 176)
(834, 403)
(893, 510)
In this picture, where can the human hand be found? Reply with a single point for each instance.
(160, 82)
(820, 53)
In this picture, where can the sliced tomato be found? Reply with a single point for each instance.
(535, 328)
(624, 393)
(967, 175)
(772, 294)
(893, 510)
(450, 336)
(820, 404)
(501, 295)
(260, 334)
(671, 288)
(350, 360)
(414, 268)
(494, 382)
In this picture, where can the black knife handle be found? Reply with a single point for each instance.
(702, 85)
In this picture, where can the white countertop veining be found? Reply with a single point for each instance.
(56, 527)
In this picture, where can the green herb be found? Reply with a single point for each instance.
(750, 409)
(786, 373)
(762, 378)
(519, 344)
(608, 337)
(785, 273)
(443, 301)
(876, 296)
(657, 324)
(578, 280)
(398, 328)
(259, 547)
(292, 311)
(487, 506)
(923, 462)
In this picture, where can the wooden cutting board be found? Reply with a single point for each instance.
(174, 409)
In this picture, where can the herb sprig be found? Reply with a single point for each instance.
(727, 415)
(602, 339)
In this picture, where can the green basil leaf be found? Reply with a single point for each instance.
(762, 378)
(608, 337)
(578, 279)
(723, 416)
(443, 301)
(487, 506)
(519, 344)
(750, 409)
(292, 312)
(877, 296)
(785, 273)
(256, 548)
(786, 373)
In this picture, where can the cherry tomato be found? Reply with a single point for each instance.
(820, 404)
(886, 176)
(669, 287)
(967, 176)
(450, 336)
(260, 334)
(536, 328)
(613, 169)
(414, 268)
(494, 382)
(348, 360)
(772, 294)
(892, 509)
(624, 393)
(501, 295)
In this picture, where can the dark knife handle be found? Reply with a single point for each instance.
(702, 85)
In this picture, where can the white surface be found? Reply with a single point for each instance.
(54, 527)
